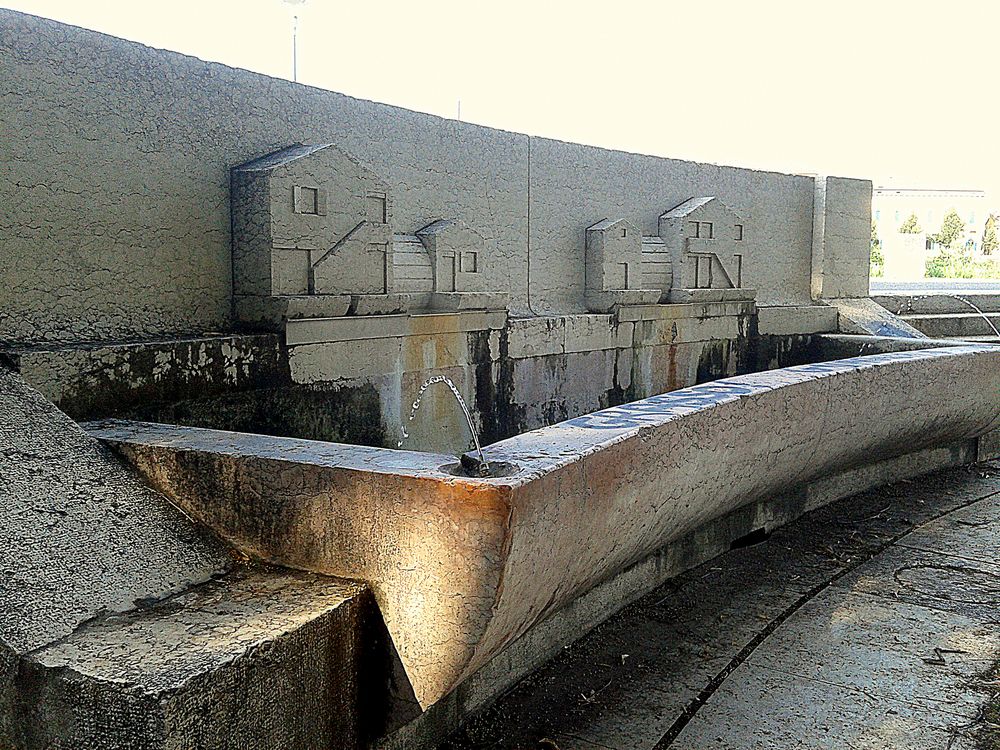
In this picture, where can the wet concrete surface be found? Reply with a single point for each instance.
(871, 623)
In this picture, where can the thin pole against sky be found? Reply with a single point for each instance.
(295, 48)
(295, 36)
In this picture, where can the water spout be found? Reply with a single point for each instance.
(984, 315)
(909, 307)
(483, 466)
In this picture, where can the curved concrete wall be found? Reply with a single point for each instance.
(461, 567)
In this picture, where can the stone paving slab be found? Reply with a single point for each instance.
(893, 650)
(759, 709)
(933, 580)
(971, 533)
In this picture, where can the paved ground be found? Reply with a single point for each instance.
(872, 623)
(936, 286)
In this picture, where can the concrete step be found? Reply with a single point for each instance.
(954, 325)
(259, 659)
(926, 304)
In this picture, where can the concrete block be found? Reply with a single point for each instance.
(585, 333)
(351, 360)
(271, 313)
(792, 320)
(458, 301)
(387, 326)
(685, 329)
(608, 301)
(841, 238)
(688, 296)
(536, 337)
(377, 304)
(258, 660)
(464, 321)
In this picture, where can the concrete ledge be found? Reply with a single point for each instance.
(796, 320)
(271, 313)
(458, 301)
(376, 304)
(963, 324)
(640, 325)
(88, 381)
(933, 304)
(324, 330)
(636, 313)
(689, 296)
(605, 302)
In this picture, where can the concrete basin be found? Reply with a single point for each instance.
(463, 566)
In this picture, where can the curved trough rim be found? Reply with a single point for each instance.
(544, 460)
(616, 423)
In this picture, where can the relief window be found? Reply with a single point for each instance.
(694, 229)
(706, 230)
(376, 210)
(468, 262)
(703, 272)
(739, 233)
(309, 200)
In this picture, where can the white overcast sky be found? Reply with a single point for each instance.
(880, 89)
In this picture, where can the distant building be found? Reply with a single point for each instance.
(891, 206)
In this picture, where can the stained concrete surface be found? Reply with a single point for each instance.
(870, 623)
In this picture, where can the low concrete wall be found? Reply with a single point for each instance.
(353, 379)
(462, 567)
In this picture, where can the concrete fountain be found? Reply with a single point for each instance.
(654, 359)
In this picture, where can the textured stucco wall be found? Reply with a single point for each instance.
(115, 173)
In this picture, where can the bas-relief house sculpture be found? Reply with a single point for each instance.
(659, 358)
(697, 256)
(708, 245)
(313, 237)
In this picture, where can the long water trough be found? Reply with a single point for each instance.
(464, 566)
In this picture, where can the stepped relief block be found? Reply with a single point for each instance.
(311, 232)
(457, 257)
(707, 243)
(614, 269)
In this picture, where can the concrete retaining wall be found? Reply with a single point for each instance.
(115, 179)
